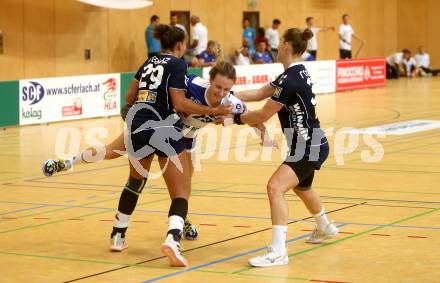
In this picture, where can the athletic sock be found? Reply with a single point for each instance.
(279, 234)
(321, 219)
(176, 217)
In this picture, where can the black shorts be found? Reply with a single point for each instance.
(305, 167)
(344, 54)
(164, 141)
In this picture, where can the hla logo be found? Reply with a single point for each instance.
(33, 93)
(110, 94)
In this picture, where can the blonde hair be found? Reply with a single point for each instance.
(223, 68)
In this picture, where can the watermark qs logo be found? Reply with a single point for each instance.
(33, 93)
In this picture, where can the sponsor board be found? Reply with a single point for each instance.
(360, 73)
(68, 98)
(258, 75)
(323, 74)
(253, 76)
(399, 128)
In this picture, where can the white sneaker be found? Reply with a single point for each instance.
(117, 243)
(173, 251)
(270, 258)
(319, 235)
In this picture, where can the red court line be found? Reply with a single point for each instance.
(418, 237)
(341, 232)
(326, 281)
(41, 218)
(140, 221)
(384, 235)
(207, 224)
(74, 219)
(105, 220)
(242, 226)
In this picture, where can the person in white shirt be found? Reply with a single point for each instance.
(423, 62)
(346, 33)
(312, 46)
(401, 63)
(393, 65)
(409, 65)
(274, 37)
(199, 36)
(243, 56)
(174, 22)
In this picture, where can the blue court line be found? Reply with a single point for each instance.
(24, 209)
(221, 260)
(222, 215)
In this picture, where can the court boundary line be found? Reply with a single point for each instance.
(210, 244)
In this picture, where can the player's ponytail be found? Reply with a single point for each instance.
(169, 36)
(298, 39)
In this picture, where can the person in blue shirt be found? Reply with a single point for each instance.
(153, 45)
(208, 57)
(261, 56)
(248, 34)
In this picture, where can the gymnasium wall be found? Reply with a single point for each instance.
(45, 38)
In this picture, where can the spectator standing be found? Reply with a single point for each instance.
(153, 45)
(174, 22)
(248, 34)
(346, 33)
(312, 45)
(199, 35)
(274, 38)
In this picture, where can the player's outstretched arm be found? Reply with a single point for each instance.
(256, 94)
(259, 116)
(187, 106)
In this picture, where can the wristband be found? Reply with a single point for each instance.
(237, 119)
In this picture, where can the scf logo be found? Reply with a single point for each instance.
(33, 93)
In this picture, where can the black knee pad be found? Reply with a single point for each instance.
(135, 186)
(179, 207)
(130, 195)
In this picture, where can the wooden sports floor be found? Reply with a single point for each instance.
(57, 229)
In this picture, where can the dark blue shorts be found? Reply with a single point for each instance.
(190, 143)
(305, 167)
(163, 141)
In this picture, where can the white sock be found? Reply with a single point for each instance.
(175, 222)
(279, 234)
(321, 219)
(121, 220)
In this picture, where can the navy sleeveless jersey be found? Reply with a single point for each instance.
(156, 76)
(298, 119)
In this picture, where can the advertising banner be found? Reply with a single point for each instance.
(68, 98)
(258, 75)
(360, 73)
